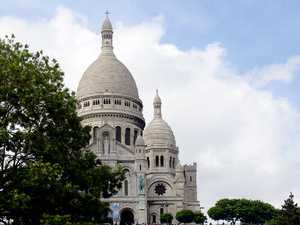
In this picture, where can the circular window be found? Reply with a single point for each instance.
(160, 189)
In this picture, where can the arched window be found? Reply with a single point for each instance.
(153, 218)
(106, 101)
(140, 166)
(135, 136)
(126, 187)
(95, 133)
(148, 161)
(96, 102)
(118, 134)
(107, 38)
(161, 161)
(174, 162)
(161, 210)
(170, 162)
(117, 102)
(157, 161)
(86, 104)
(127, 136)
(127, 103)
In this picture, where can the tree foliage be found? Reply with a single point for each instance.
(289, 213)
(185, 216)
(246, 211)
(224, 210)
(200, 218)
(44, 173)
(166, 218)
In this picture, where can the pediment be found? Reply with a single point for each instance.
(106, 130)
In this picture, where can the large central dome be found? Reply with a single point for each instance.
(107, 74)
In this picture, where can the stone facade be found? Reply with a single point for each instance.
(156, 182)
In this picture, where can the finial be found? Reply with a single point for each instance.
(106, 13)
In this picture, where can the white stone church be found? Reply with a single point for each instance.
(155, 182)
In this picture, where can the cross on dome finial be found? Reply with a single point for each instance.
(106, 13)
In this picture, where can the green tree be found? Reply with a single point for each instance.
(166, 218)
(224, 209)
(289, 213)
(44, 173)
(199, 218)
(255, 211)
(185, 216)
(247, 211)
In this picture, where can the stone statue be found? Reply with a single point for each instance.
(106, 145)
(141, 183)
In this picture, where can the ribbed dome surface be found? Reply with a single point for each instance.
(107, 75)
(157, 99)
(106, 25)
(159, 133)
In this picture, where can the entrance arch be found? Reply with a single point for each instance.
(127, 218)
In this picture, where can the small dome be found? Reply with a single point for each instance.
(158, 132)
(139, 141)
(106, 25)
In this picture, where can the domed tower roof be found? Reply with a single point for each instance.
(107, 74)
(107, 24)
(107, 91)
(157, 100)
(158, 133)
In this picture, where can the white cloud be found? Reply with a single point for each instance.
(244, 140)
(242, 137)
(64, 38)
(278, 72)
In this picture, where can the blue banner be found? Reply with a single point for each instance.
(116, 211)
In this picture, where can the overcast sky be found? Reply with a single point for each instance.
(227, 73)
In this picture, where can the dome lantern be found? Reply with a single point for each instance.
(157, 105)
(107, 34)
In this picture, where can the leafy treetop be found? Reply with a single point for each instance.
(247, 211)
(45, 175)
(185, 216)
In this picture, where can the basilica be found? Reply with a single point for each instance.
(156, 182)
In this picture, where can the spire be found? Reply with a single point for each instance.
(157, 105)
(107, 35)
